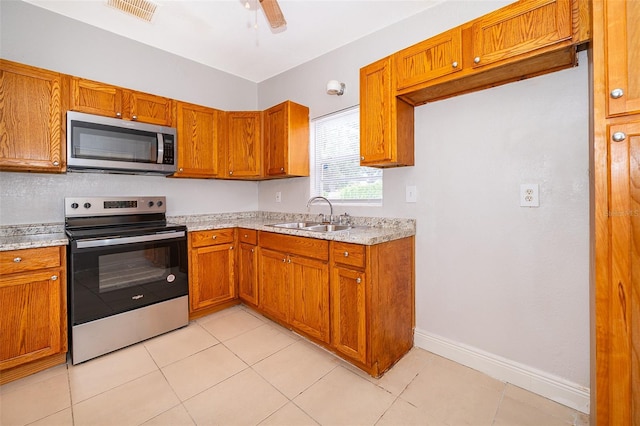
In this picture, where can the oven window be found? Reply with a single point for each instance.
(121, 270)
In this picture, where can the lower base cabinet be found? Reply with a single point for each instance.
(248, 266)
(33, 317)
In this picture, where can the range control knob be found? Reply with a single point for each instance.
(87, 205)
(74, 205)
(159, 203)
(150, 203)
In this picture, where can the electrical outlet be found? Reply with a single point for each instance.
(278, 197)
(529, 195)
(411, 196)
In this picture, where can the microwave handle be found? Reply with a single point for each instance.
(160, 148)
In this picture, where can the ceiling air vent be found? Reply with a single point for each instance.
(142, 9)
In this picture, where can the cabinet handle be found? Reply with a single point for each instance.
(289, 260)
(17, 260)
(251, 250)
(362, 158)
(134, 117)
(476, 59)
(214, 236)
(230, 172)
(246, 235)
(358, 280)
(118, 114)
(56, 163)
(454, 64)
(617, 93)
(54, 277)
(181, 169)
(619, 136)
(346, 254)
(282, 169)
(284, 260)
(231, 248)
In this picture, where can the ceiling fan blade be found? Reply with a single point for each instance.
(273, 13)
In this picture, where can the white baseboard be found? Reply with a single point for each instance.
(547, 385)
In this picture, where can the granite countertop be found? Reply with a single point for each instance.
(366, 230)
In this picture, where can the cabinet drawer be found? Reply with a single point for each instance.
(29, 259)
(249, 236)
(348, 254)
(302, 246)
(209, 238)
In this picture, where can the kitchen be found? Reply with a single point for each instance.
(513, 303)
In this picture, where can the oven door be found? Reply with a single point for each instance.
(112, 275)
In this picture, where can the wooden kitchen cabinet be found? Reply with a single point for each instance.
(211, 271)
(429, 59)
(372, 302)
(386, 122)
(244, 144)
(98, 98)
(200, 132)
(520, 28)
(32, 136)
(622, 40)
(294, 282)
(248, 266)
(33, 318)
(615, 385)
(286, 140)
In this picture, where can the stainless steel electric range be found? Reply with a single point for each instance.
(128, 273)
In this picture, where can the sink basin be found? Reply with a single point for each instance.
(327, 228)
(295, 225)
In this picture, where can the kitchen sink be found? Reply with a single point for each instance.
(295, 225)
(327, 228)
(312, 226)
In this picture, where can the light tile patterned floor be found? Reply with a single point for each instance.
(237, 368)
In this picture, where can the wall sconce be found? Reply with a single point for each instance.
(334, 87)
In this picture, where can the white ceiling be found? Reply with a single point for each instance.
(222, 33)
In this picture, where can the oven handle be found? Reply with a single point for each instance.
(128, 240)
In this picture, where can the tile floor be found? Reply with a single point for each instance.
(238, 368)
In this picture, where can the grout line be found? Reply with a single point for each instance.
(504, 390)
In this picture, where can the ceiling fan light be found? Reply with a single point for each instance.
(141, 9)
(273, 13)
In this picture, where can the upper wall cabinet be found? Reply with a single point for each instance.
(31, 130)
(244, 144)
(286, 140)
(102, 99)
(520, 28)
(200, 131)
(432, 58)
(386, 122)
(622, 42)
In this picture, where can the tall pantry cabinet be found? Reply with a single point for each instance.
(616, 118)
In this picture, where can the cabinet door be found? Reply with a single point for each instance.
(310, 297)
(274, 289)
(32, 318)
(94, 97)
(348, 313)
(275, 134)
(286, 140)
(624, 296)
(520, 28)
(244, 144)
(31, 136)
(198, 149)
(248, 273)
(148, 108)
(432, 58)
(386, 122)
(622, 41)
(212, 276)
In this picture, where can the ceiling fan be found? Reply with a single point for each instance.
(273, 13)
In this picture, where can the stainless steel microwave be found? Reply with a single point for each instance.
(112, 145)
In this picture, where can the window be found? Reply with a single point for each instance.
(335, 164)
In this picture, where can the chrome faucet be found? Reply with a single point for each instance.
(312, 199)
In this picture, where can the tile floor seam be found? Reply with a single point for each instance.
(495, 415)
(261, 359)
(385, 411)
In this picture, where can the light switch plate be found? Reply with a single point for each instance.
(412, 195)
